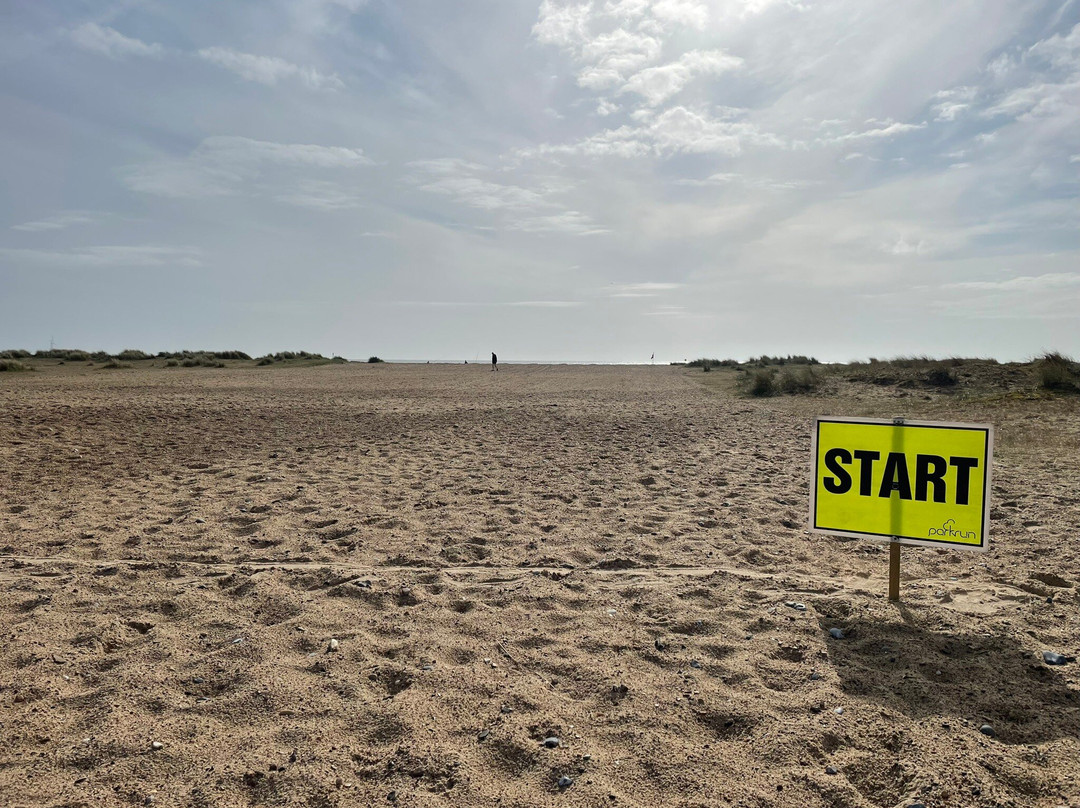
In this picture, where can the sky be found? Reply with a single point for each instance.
(572, 180)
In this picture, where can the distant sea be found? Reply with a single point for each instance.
(517, 362)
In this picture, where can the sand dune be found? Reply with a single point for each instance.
(599, 554)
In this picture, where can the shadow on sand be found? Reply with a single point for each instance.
(970, 677)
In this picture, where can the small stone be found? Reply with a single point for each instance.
(830, 770)
(506, 709)
(799, 607)
(392, 796)
(586, 758)
(916, 805)
(483, 734)
(565, 782)
(748, 637)
(333, 646)
(815, 676)
(1052, 658)
(552, 742)
(987, 730)
(198, 680)
(199, 520)
(428, 668)
(659, 646)
(694, 663)
(157, 746)
(839, 711)
(836, 633)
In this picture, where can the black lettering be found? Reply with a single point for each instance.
(866, 470)
(930, 469)
(842, 482)
(895, 477)
(964, 465)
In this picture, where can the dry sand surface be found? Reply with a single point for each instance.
(597, 554)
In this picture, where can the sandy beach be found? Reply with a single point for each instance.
(613, 557)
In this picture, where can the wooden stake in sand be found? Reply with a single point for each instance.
(925, 483)
(894, 571)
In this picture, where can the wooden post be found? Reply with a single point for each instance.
(894, 571)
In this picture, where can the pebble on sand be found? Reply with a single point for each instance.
(565, 782)
(836, 633)
(987, 730)
(157, 746)
(1053, 658)
(333, 646)
(552, 742)
(830, 770)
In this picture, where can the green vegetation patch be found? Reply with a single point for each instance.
(1056, 373)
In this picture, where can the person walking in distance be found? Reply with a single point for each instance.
(494, 362)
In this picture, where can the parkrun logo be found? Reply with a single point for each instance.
(947, 529)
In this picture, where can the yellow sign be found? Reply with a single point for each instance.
(919, 482)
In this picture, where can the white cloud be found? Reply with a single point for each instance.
(564, 26)
(657, 84)
(231, 149)
(110, 42)
(571, 222)
(759, 183)
(683, 130)
(667, 311)
(1038, 100)
(59, 222)
(525, 209)
(181, 179)
(269, 70)
(1060, 51)
(319, 17)
(949, 111)
(881, 130)
(478, 193)
(628, 9)
(606, 58)
(692, 13)
(613, 56)
(648, 289)
(110, 256)
(321, 195)
(674, 131)
(1022, 283)
(225, 165)
(546, 304)
(903, 246)
(678, 130)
